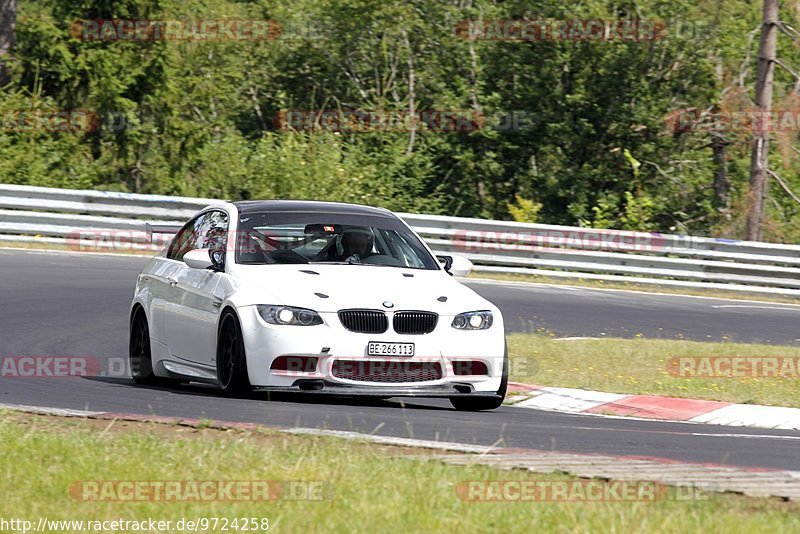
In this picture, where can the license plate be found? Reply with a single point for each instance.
(376, 348)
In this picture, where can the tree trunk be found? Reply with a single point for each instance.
(722, 182)
(8, 18)
(759, 159)
(412, 109)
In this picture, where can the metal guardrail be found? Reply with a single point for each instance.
(49, 215)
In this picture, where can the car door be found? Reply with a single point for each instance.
(163, 280)
(191, 315)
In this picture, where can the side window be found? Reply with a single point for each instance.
(181, 243)
(209, 230)
(212, 231)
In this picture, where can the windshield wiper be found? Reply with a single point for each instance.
(358, 263)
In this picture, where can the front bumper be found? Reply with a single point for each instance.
(330, 342)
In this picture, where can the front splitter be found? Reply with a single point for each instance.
(324, 387)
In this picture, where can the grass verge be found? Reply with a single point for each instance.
(372, 488)
(640, 366)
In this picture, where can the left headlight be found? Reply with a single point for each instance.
(288, 315)
(476, 320)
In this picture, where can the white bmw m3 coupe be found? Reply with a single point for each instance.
(314, 297)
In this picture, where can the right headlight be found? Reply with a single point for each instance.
(289, 315)
(475, 320)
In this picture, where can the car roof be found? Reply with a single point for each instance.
(310, 206)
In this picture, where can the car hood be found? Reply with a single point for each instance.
(330, 288)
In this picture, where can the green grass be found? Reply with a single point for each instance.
(373, 488)
(639, 366)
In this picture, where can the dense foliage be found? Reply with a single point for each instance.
(594, 145)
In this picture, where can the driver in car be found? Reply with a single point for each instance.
(353, 245)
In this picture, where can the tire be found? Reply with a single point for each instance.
(475, 404)
(139, 357)
(231, 360)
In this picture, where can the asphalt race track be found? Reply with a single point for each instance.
(574, 311)
(76, 305)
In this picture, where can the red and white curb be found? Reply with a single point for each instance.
(653, 407)
(753, 482)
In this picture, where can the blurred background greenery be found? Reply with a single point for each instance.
(596, 146)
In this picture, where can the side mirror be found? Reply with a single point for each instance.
(218, 260)
(199, 258)
(456, 265)
(447, 262)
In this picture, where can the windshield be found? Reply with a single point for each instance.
(292, 237)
